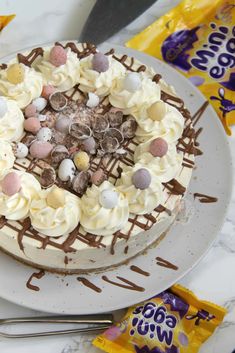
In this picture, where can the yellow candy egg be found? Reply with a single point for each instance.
(81, 160)
(15, 73)
(56, 198)
(157, 111)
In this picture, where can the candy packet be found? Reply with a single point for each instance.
(175, 321)
(197, 37)
(4, 20)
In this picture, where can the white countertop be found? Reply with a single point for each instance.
(42, 21)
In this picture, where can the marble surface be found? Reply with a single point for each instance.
(42, 21)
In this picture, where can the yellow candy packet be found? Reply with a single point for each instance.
(175, 321)
(197, 37)
(4, 20)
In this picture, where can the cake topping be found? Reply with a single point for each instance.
(58, 101)
(66, 170)
(93, 100)
(32, 125)
(62, 124)
(158, 147)
(56, 198)
(108, 198)
(141, 179)
(80, 182)
(30, 111)
(129, 127)
(100, 124)
(44, 134)
(40, 103)
(58, 154)
(48, 177)
(132, 82)
(15, 73)
(11, 184)
(12, 122)
(40, 149)
(3, 107)
(42, 117)
(98, 177)
(79, 131)
(47, 90)
(81, 160)
(115, 117)
(100, 62)
(58, 56)
(21, 150)
(109, 144)
(89, 145)
(7, 157)
(157, 111)
(114, 133)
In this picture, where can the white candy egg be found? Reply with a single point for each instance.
(132, 82)
(40, 103)
(93, 100)
(66, 170)
(42, 117)
(3, 107)
(21, 150)
(44, 134)
(108, 198)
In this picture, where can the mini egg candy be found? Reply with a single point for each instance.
(15, 73)
(62, 125)
(32, 125)
(89, 145)
(108, 198)
(158, 147)
(11, 184)
(3, 107)
(21, 150)
(40, 149)
(81, 160)
(141, 179)
(98, 177)
(44, 134)
(93, 100)
(42, 117)
(58, 101)
(56, 198)
(58, 56)
(157, 111)
(100, 62)
(66, 170)
(132, 82)
(30, 111)
(47, 91)
(40, 103)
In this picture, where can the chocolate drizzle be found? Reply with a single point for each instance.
(161, 208)
(31, 57)
(139, 270)
(164, 263)
(129, 285)
(88, 284)
(197, 116)
(156, 78)
(204, 198)
(3, 66)
(26, 224)
(175, 187)
(37, 275)
(3, 222)
(87, 49)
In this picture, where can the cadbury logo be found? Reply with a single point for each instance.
(219, 54)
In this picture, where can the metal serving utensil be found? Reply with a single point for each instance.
(97, 322)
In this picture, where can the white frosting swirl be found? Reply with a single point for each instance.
(170, 127)
(101, 83)
(140, 201)
(164, 168)
(23, 93)
(16, 207)
(98, 220)
(55, 222)
(63, 77)
(12, 123)
(131, 102)
(7, 157)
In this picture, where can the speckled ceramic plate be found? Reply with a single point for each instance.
(181, 249)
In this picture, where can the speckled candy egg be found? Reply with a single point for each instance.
(58, 56)
(21, 150)
(93, 100)
(11, 184)
(40, 103)
(98, 177)
(108, 198)
(100, 62)
(62, 125)
(44, 134)
(32, 125)
(47, 91)
(30, 111)
(3, 107)
(89, 145)
(40, 149)
(132, 82)
(81, 160)
(157, 111)
(56, 198)
(158, 147)
(66, 170)
(15, 73)
(141, 179)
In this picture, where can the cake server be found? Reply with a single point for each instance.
(109, 16)
(95, 322)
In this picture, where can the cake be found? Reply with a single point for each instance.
(96, 154)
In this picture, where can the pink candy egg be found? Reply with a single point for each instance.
(30, 111)
(47, 91)
(141, 179)
(100, 62)
(58, 56)
(98, 177)
(32, 125)
(40, 149)
(11, 184)
(158, 147)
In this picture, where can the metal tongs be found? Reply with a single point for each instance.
(95, 322)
